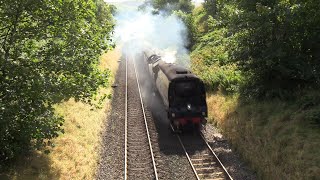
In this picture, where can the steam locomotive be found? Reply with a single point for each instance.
(182, 92)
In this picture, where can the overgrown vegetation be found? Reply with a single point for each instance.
(273, 45)
(265, 55)
(75, 154)
(279, 139)
(261, 62)
(211, 52)
(49, 53)
(277, 46)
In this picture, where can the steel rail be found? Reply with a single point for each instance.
(125, 125)
(186, 153)
(214, 154)
(145, 122)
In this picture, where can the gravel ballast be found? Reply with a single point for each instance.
(170, 159)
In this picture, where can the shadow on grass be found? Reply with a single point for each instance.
(35, 165)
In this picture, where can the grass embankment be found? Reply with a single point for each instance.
(279, 139)
(76, 152)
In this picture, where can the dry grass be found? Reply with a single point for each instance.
(219, 106)
(76, 152)
(276, 138)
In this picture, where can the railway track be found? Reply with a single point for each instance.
(204, 162)
(139, 157)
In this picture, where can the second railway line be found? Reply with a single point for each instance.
(132, 158)
(139, 158)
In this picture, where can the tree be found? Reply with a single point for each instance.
(278, 45)
(171, 5)
(48, 53)
(210, 6)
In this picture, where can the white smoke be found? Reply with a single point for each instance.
(139, 30)
(198, 2)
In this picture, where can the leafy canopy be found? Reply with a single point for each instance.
(274, 45)
(49, 52)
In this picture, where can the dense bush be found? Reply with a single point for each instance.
(49, 53)
(278, 45)
(275, 44)
(269, 52)
(210, 51)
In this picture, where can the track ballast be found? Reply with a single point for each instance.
(203, 161)
(139, 157)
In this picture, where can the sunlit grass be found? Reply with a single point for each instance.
(275, 137)
(219, 106)
(76, 152)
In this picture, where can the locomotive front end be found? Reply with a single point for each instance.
(187, 103)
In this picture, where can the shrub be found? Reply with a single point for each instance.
(49, 53)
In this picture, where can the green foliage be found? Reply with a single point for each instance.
(275, 44)
(210, 6)
(278, 45)
(264, 50)
(49, 53)
(172, 5)
(224, 78)
(210, 52)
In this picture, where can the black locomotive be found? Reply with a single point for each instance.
(182, 92)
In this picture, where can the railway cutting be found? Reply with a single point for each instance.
(146, 147)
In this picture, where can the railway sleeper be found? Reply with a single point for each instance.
(202, 160)
(203, 155)
(211, 175)
(208, 164)
(140, 175)
(135, 125)
(139, 159)
(206, 169)
(137, 130)
(133, 111)
(137, 142)
(147, 170)
(140, 164)
(138, 151)
(137, 137)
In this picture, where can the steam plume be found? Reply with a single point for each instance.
(140, 30)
